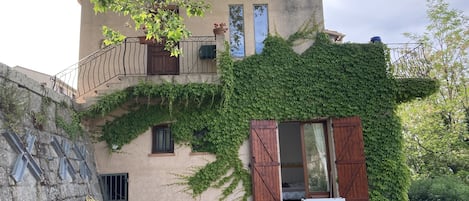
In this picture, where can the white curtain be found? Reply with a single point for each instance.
(321, 147)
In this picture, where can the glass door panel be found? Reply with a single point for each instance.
(316, 162)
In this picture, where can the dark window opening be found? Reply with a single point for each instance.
(114, 186)
(199, 142)
(162, 141)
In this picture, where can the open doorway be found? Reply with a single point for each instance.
(317, 160)
(305, 161)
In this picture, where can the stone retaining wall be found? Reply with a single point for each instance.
(38, 159)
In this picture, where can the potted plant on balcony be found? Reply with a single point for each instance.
(219, 28)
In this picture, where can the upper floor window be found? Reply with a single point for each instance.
(162, 140)
(261, 26)
(236, 20)
(199, 143)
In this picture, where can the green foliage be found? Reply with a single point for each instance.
(445, 188)
(434, 145)
(328, 80)
(40, 118)
(308, 30)
(164, 102)
(72, 125)
(13, 103)
(111, 36)
(157, 18)
(411, 88)
(227, 76)
(437, 137)
(107, 104)
(137, 122)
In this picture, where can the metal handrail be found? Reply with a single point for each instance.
(126, 59)
(130, 57)
(408, 60)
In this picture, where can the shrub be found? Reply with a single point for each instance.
(445, 188)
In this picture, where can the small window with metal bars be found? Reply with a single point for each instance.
(114, 186)
(162, 140)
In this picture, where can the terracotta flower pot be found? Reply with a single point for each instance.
(218, 31)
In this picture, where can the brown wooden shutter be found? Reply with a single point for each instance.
(350, 159)
(265, 161)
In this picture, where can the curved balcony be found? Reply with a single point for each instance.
(119, 66)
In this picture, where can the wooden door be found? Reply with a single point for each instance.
(350, 159)
(265, 161)
(160, 61)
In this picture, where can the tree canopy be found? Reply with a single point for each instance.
(437, 128)
(159, 18)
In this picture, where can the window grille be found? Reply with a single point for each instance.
(114, 186)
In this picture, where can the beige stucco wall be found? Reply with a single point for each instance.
(153, 177)
(41, 78)
(285, 18)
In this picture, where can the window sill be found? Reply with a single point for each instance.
(161, 154)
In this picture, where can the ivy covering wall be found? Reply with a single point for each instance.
(327, 80)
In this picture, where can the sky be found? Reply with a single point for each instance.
(40, 35)
(44, 35)
(360, 20)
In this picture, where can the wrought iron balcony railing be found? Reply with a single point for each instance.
(408, 60)
(131, 59)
